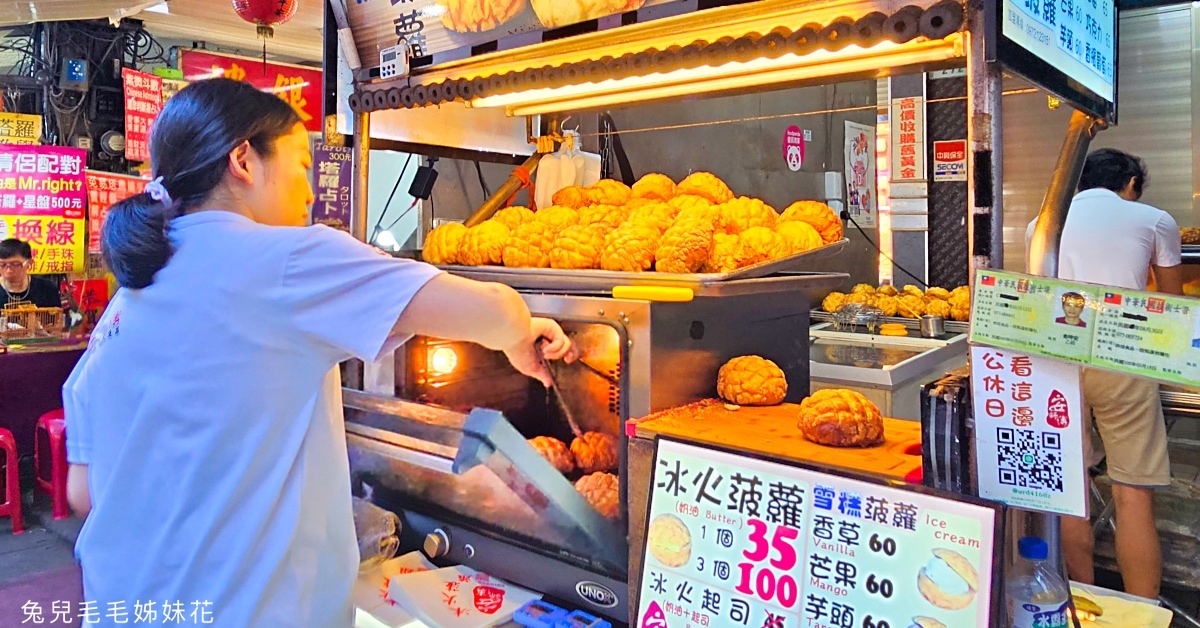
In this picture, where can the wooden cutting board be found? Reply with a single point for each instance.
(772, 430)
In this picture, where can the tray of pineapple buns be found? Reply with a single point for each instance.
(834, 428)
(656, 232)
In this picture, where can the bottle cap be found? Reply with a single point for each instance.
(1033, 548)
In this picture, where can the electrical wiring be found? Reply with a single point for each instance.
(847, 216)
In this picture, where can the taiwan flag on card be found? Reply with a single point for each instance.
(988, 280)
(1112, 297)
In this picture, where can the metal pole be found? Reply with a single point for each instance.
(362, 167)
(502, 194)
(985, 160)
(1043, 248)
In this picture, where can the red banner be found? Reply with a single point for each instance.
(92, 297)
(143, 102)
(298, 85)
(105, 190)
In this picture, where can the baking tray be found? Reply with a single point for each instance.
(958, 327)
(606, 280)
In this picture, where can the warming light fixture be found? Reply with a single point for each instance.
(730, 76)
(442, 361)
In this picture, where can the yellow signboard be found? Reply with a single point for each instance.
(58, 243)
(20, 128)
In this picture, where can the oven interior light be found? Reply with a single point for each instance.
(442, 360)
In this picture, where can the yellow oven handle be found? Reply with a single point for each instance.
(670, 294)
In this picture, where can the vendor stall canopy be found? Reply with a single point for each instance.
(212, 21)
(769, 44)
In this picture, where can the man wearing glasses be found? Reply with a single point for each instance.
(16, 285)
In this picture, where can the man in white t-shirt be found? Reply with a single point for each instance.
(1113, 240)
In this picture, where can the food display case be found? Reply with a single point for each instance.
(888, 370)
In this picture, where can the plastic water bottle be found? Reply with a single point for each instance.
(1037, 596)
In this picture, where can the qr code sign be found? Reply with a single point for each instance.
(1030, 459)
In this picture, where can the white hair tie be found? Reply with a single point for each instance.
(158, 191)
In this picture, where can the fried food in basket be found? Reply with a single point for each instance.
(750, 380)
(819, 215)
(888, 305)
(912, 290)
(608, 192)
(555, 452)
(723, 258)
(911, 306)
(833, 302)
(654, 186)
(578, 247)
(841, 418)
(937, 307)
(513, 217)
(603, 492)
(595, 451)
(863, 288)
(759, 244)
(530, 245)
(684, 247)
(442, 244)
(484, 244)
(889, 291)
(630, 248)
(558, 217)
(573, 196)
(556, 13)
(739, 214)
(937, 293)
(800, 236)
(656, 214)
(705, 185)
(860, 297)
(610, 215)
(475, 16)
(685, 202)
(961, 294)
(960, 311)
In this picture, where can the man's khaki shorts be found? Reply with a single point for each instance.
(1129, 417)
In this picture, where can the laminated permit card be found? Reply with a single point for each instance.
(458, 597)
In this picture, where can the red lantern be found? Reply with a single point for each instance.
(265, 14)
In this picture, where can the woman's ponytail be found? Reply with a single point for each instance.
(134, 239)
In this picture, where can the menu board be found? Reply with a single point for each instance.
(1074, 36)
(332, 175)
(143, 103)
(740, 541)
(1140, 333)
(1029, 431)
(1033, 314)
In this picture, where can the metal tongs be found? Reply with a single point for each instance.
(562, 403)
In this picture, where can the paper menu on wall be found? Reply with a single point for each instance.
(740, 541)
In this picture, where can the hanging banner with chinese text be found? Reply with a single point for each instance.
(143, 102)
(92, 297)
(739, 541)
(1029, 431)
(332, 175)
(20, 128)
(300, 86)
(106, 189)
(908, 139)
(860, 174)
(42, 201)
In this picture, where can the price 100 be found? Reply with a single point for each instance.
(762, 581)
(767, 586)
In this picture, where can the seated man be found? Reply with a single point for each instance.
(16, 285)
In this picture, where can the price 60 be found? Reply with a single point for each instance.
(870, 623)
(885, 545)
(882, 586)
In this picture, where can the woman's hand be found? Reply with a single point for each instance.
(556, 345)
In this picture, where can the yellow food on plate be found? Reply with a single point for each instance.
(608, 192)
(530, 245)
(610, 215)
(513, 217)
(723, 258)
(555, 452)
(685, 202)
(860, 297)
(759, 244)
(863, 288)
(483, 244)
(910, 306)
(573, 196)
(442, 244)
(656, 214)
(912, 290)
(630, 248)
(960, 311)
(833, 302)
(684, 247)
(476, 16)
(961, 294)
(750, 380)
(595, 451)
(739, 214)
(888, 305)
(893, 329)
(603, 492)
(800, 236)
(819, 215)
(556, 13)
(654, 186)
(841, 418)
(937, 307)
(887, 291)
(938, 293)
(706, 185)
(557, 217)
(669, 540)
(578, 247)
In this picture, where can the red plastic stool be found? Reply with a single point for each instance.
(12, 485)
(52, 429)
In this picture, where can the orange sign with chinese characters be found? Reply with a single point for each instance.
(106, 189)
(300, 86)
